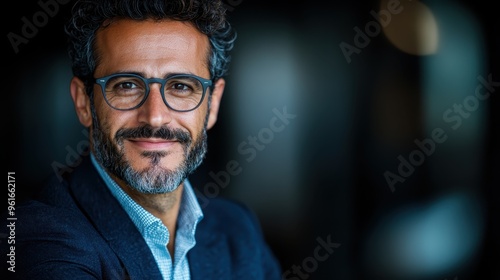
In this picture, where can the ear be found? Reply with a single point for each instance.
(81, 101)
(215, 102)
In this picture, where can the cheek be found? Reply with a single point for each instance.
(196, 122)
(99, 105)
(108, 119)
(203, 112)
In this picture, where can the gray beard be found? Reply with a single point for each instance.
(154, 179)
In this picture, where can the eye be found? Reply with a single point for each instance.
(180, 86)
(126, 85)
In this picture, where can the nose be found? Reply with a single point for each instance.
(154, 111)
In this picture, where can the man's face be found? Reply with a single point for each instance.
(151, 148)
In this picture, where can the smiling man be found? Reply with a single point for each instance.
(148, 81)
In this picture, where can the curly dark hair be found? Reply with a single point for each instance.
(89, 15)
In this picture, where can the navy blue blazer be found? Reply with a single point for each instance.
(76, 229)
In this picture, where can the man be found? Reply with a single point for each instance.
(148, 81)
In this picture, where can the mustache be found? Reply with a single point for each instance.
(147, 131)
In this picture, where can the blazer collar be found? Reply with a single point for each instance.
(206, 260)
(112, 222)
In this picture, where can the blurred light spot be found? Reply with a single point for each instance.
(427, 240)
(414, 30)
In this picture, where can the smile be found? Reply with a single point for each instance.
(152, 143)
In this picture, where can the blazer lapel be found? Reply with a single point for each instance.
(112, 222)
(208, 258)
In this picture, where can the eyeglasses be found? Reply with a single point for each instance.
(180, 92)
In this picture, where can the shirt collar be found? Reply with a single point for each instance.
(190, 212)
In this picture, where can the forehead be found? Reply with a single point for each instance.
(126, 43)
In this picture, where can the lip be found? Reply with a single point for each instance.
(152, 143)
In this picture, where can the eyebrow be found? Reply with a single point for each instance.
(142, 74)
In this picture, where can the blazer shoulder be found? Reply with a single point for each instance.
(241, 243)
(231, 217)
(229, 210)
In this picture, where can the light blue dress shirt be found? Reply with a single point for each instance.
(156, 233)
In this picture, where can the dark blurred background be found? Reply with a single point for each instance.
(368, 148)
